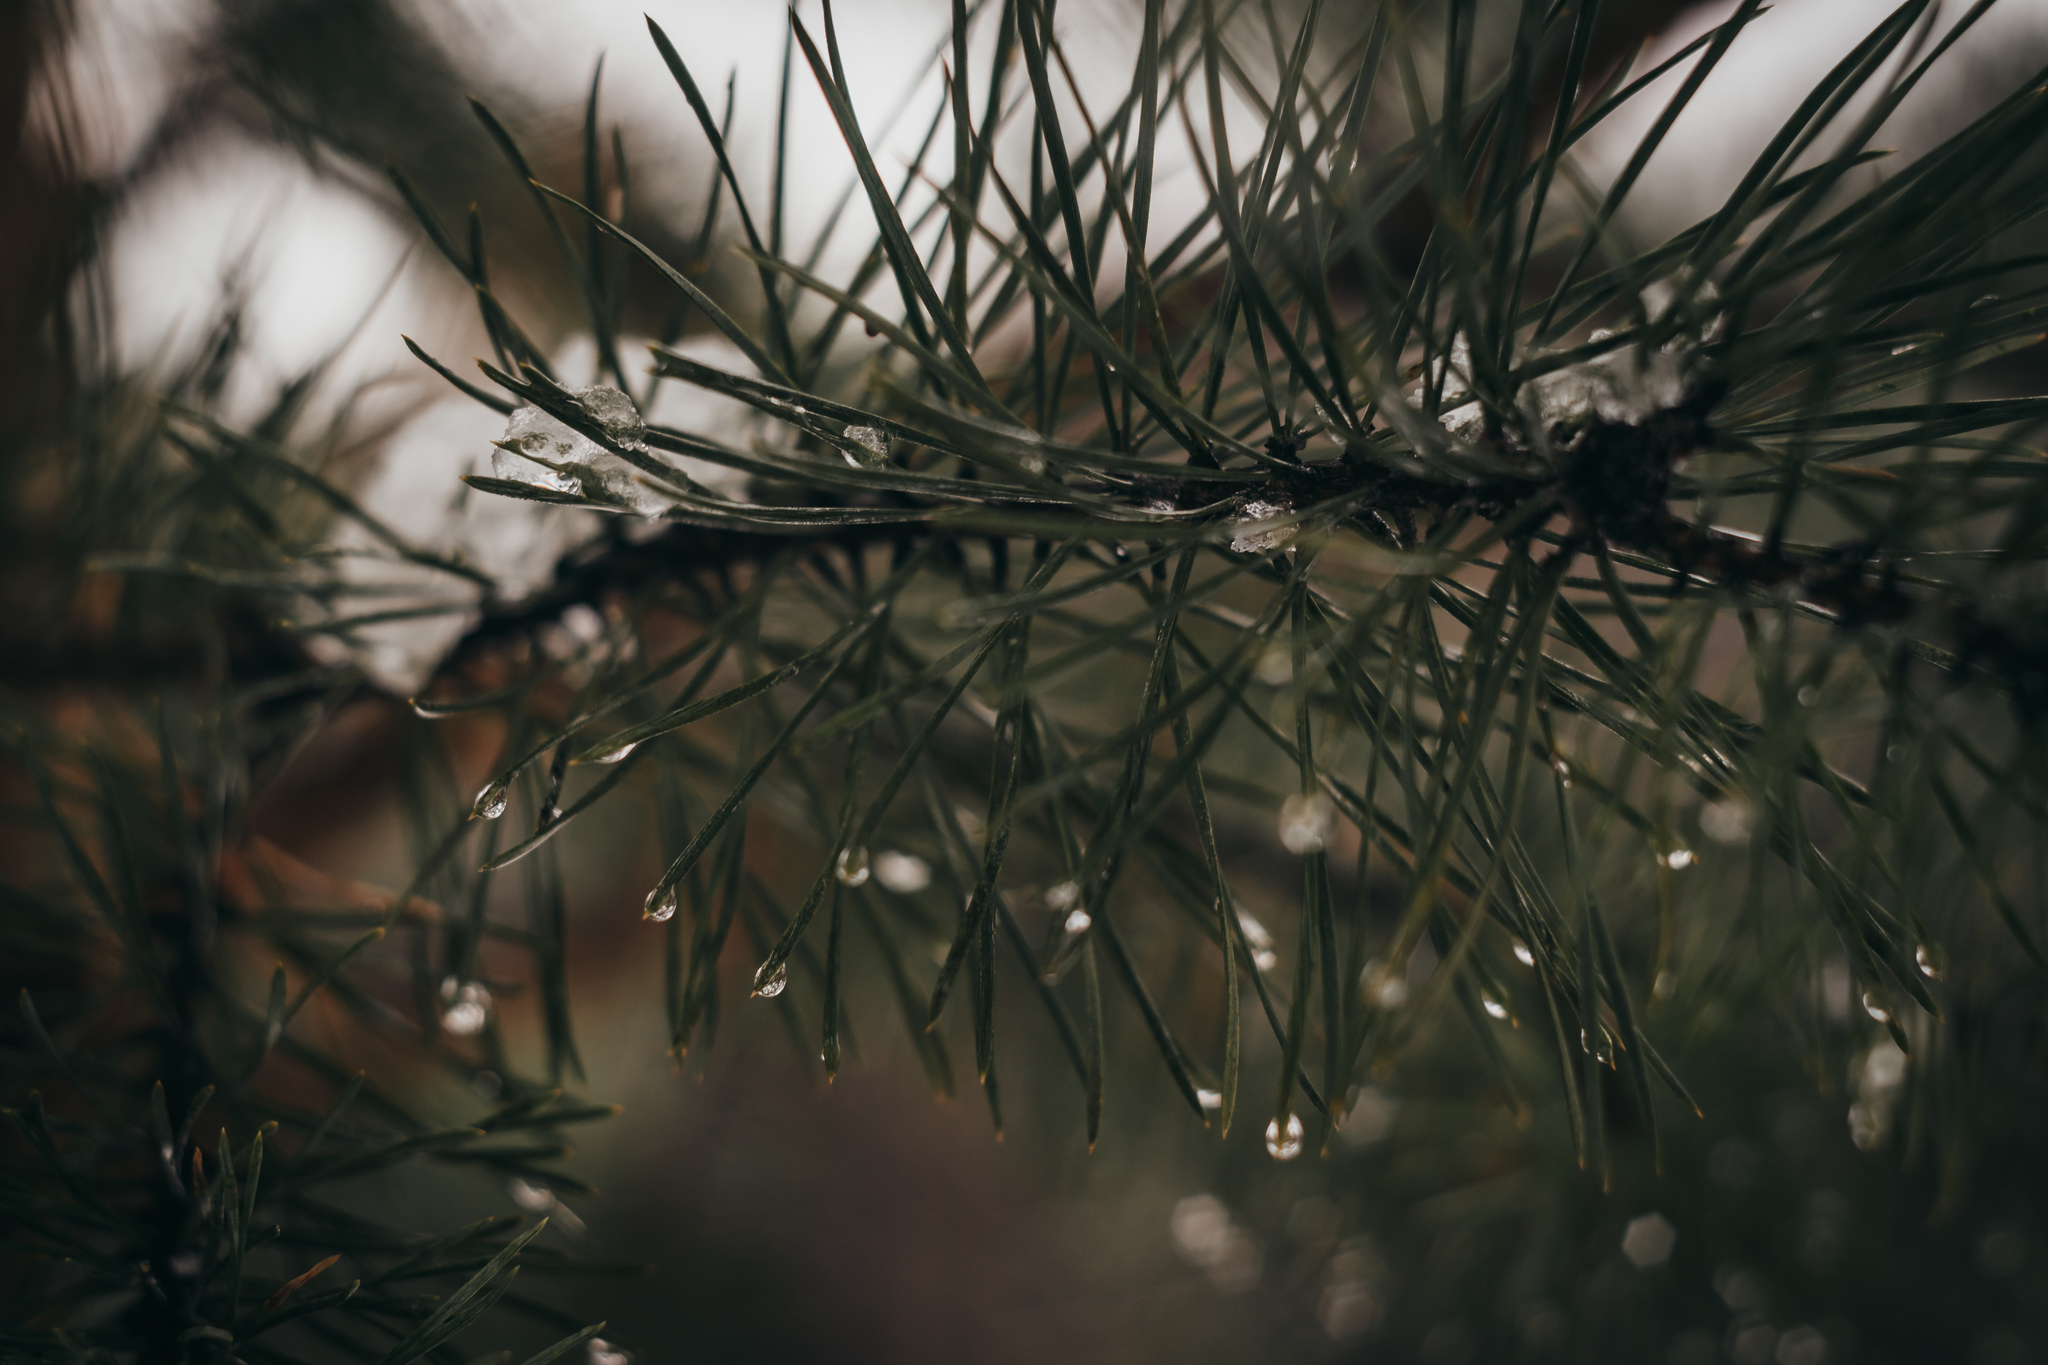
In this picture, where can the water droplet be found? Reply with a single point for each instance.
(1875, 1010)
(1209, 1099)
(1078, 922)
(664, 908)
(1726, 822)
(1494, 1007)
(1524, 956)
(616, 755)
(1561, 768)
(1254, 932)
(470, 1011)
(903, 873)
(775, 984)
(491, 801)
(1265, 959)
(1062, 895)
(1305, 822)
(852, 867)
(1678, 859)
(1809, 695)
(598, 1351)
(1276, 667)
(1925, 961)
(1287, 1146)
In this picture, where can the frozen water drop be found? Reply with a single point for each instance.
(1524, 956)
(1078, 922)
(1494, 1007)
(1209, 1099)
(615, 412)
(1925, 961)
(1256, 513)
(871, 447)
(1875, 1010)
(1062, 896)
(775, 984)
(661, 905)
(1678, 859)
(903, 873)
(1305, 822)
(1284, 1144)
(598, 1351)
(851, 868)
(491, 801)
(616, 754)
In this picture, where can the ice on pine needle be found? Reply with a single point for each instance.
(1627, 385)
(545, 452)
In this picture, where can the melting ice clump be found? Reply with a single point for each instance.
(1627, 385)
(539, 450)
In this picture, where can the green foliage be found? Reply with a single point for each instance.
(1616, 638)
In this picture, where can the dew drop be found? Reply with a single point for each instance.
(1678, 859)
(903, 873)
(1284, 1146)
(470, 1011)
(1078, 922)
(491, 801)
(1562, 769)
(1254, 932)
(616, 755)
(1875, 1010)
(774, 985)
(1305, 822)
(852, 867)
(1524, 956)
(1062, 896)
(1494, 1007)
(598, 1351)
(1265, 959)
(1925, 961)
(1209, 1099)
(663, 908)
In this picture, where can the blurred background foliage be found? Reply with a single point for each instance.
(1832, 1202)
